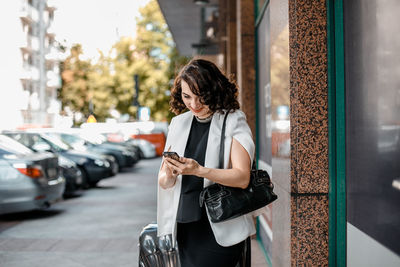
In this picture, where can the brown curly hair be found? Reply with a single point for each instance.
(207, 82)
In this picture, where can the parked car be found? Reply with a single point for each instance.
(72, 174)
(146, 149)
(158, 139)
(123, 156)
(102, 139)
(94, 167)
(28, 180)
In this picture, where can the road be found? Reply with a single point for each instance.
(98, 228)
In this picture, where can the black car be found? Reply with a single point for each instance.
(94, 167)
(72, 174)
(118, 139)
(144, 148)
(124, 156)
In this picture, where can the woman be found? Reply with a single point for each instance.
(195, 135)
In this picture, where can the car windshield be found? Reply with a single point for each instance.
(56, 142)
(10, 145)
(70, 138)
(76, 142)
(94, 138)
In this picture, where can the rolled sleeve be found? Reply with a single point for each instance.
(241, 132)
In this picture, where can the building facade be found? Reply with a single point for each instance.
(318, 85)
(30, 72)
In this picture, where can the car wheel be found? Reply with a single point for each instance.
(115, 167)
(85, 179)
(141, 155)
(93, 184)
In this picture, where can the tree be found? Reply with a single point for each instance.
(100, 87)
(84, 83)
(121, 60)
(280, 71)
(154, 47)
(75, 88)
(109, 83)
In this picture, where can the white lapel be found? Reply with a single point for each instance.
(177, 140)
(181, 133)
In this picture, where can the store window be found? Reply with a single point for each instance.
(260, 4)
(372, 53)
(273, 124)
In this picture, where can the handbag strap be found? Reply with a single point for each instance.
(222, 143)
(222, 147)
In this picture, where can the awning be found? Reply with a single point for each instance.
(184, 20)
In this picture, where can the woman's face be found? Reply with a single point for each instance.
(192, 102)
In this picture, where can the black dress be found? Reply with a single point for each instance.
(196, 242)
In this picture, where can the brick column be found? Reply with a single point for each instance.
(222, 31)
(246, 60)
(231, 50)
(308, 133)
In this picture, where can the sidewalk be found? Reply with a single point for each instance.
(257, 255)
(99, 228)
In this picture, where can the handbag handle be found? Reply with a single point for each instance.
(222, 147)
(221, 156)
(222, 143)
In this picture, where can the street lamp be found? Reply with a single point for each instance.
(135, 101)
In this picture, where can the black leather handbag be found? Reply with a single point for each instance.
(224, 202)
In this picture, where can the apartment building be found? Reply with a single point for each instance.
(29, 67)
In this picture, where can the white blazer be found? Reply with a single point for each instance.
(226, 233)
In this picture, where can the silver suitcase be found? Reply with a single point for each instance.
(155, 251)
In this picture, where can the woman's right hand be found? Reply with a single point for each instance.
(168, 169)
(166, 176)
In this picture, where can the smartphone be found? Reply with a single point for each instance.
(171, 154)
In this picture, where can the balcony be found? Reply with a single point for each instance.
(29, 74)
(50, 5)
(28, 84)
(54, 79)
(30, 44)
(52, 54)
(26, 75)
(28, 14)
(26, 45)
(54, 83)
(50, 32)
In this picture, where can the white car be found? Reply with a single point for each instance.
(147, 149)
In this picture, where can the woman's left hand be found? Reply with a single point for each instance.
(184, 166)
